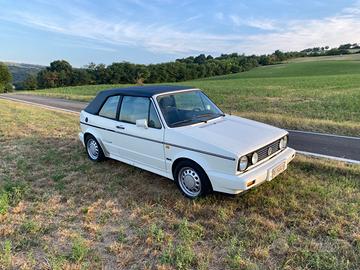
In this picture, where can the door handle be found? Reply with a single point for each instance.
(120, 127)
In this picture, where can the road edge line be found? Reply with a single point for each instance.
(346, 160)
(40, 105)
(324, 134)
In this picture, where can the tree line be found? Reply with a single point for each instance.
(60, 73)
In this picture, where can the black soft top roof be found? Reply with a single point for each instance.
(139, 91)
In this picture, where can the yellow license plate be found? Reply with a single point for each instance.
(277, 170)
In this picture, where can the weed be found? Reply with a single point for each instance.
(4, 202)
(57, 261)
(79, 249)
(183, 256)
(235, 254)
(121, 235)
(6, 254)
(180, 255)
(15, 191)
(189, 233)
(157, 233)
(31, 227)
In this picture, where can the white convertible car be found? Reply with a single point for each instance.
(179, 133)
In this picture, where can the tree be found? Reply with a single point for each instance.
(30, 83)
(60, 65)
(47, 79)
(345, 46)
(64, 72)
(200, 59)
(5, 78)
(81, 77)
(279, 55)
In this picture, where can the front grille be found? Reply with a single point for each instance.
(263, 152)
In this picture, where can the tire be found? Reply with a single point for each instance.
(93, 149)
(191, 179)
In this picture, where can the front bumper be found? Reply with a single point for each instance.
(235, 184)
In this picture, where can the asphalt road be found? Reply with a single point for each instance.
(316, 144)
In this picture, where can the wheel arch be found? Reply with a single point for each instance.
(88, 133)
(180, 159)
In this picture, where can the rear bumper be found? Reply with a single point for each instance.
(235, 184)
(81, 138)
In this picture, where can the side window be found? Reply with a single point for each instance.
(110, 107)
(154, 121)
(134, 108)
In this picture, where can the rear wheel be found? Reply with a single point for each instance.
(191, 179)
(93, 149)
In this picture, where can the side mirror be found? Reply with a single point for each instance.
(142, 123)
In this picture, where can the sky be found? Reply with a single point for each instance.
(154, 31)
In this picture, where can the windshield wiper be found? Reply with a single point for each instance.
(195, 119)
(210, 114)
(182, 122)
(203, 115)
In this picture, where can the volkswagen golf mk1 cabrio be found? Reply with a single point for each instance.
(179, 133)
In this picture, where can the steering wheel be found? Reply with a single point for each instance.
(197, 110)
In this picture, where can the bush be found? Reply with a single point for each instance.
(30, 83)
(8, 88)
(5, 78)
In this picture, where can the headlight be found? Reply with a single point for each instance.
(254, 158)
(283, 143)
(243, 163)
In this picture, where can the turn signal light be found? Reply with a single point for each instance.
(250, 183)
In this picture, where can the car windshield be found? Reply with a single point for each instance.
(187, 108)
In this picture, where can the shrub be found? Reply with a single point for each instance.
(8, 88)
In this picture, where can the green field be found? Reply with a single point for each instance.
(58, 210)
(346, 57)
(307, 95)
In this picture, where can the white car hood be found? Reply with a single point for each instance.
(232, 134)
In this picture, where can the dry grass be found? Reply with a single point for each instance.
(60, 211)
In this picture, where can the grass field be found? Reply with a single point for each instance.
(309, 95)
(58, 210)
(352, 57)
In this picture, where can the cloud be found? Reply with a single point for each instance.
(193, 18)
(340, 28)
(333, 31)
(263, 24)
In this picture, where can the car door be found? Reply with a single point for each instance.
(106, 122)
(140, 144)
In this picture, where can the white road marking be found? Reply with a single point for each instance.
(352, 161)
(298, 131)
(324, 134)
(40, 105)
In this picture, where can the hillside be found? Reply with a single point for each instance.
(20, 71)
(323, 67)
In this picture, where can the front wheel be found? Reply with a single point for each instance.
(93, 149)
(191, 179)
